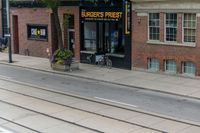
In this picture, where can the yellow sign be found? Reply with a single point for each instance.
(127, 18)
(109, 15)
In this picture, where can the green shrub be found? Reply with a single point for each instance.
(60, 55)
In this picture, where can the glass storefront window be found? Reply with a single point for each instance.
(90, 36)
(103, 37)
(116, 39)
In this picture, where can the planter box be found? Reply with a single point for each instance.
(73, 66)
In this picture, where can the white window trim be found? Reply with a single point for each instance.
(149, 27)
(188, 43)
(166, 27)
(152, 42)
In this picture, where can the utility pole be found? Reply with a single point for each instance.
(8, 30)
(6, 21)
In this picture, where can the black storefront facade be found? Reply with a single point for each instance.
(106, 29)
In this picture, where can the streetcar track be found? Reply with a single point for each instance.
(87, 99)
(44, 114)
(105, 116)
(39, 88)
(20, 125)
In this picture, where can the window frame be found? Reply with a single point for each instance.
(149, 26)
(165, 28)
(149, 63)
(91, 41)
(37, 26)
(169, 71)
(183, 68)
(183, 29)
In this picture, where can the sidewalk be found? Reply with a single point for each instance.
(151, 81)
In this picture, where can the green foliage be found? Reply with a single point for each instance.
(51, 3)
(60, 55)
(90, 0)
(54, 5)
(60, 62)
(97, 0)
(66, 21)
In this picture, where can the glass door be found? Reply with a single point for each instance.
(90, 33)
(103, 37)
(71, 40)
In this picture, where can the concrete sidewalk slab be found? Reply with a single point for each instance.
(182, 86)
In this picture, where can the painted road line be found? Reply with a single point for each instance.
(108, 100)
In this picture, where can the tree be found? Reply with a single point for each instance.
(54, 5)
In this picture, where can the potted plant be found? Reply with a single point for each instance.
(61, 59)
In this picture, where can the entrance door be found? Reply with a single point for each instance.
(103, 37)
(15, 34)
(71, 40)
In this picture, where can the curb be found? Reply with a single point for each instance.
(104, 81)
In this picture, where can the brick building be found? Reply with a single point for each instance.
(155, 35)
(165, 36)
(29, 17)
(95, 28)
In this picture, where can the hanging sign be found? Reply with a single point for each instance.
(37, 32)
(101, 15)
(127, 17)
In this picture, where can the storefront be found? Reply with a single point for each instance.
(105, 29)
(36, 35)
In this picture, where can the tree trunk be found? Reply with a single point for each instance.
(58, 28)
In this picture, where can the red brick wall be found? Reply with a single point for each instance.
(180, 29)
(139, 37)
(141, 50)
(162, 23)
(41, 16)
(74, 11)
(32, 16)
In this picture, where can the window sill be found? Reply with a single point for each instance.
(87, 52)
(172, 43)
(188, 74)
(37, 39)
(116, 55)
(152, 70)
(170, 72)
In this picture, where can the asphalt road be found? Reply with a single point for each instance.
(175, 106)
